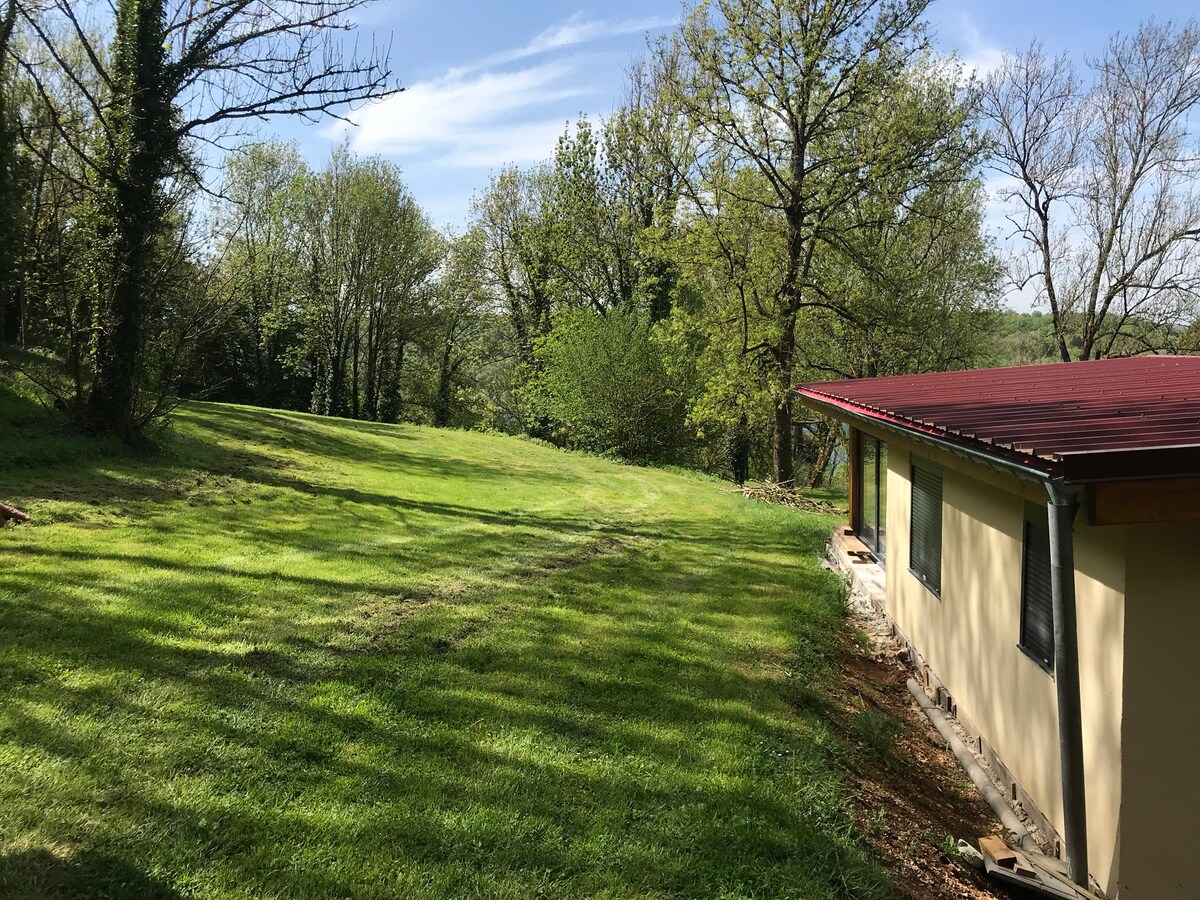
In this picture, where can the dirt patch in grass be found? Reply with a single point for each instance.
(911, 799)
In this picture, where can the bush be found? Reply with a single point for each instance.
(602, 385)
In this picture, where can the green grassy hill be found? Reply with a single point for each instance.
(295, 657)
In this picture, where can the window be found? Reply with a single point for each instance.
(925, 553)
(1037, 602)
(872, 514)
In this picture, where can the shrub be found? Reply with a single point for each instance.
(602, 384)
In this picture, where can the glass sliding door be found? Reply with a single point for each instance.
(881, 470)
(870, 488)
(872, 514)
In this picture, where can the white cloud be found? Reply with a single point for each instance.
(977, 54)
(486, 113)
(528, 142)
(450, 113)
(580, 30)
(573, 31)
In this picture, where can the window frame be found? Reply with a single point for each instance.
(934, 470)
(1035, 520)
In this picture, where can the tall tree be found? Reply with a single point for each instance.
(462, 324)
(789, 87)
(516, 252)
(54, 258)
(256, 241)
(367, 254)
(10, 188)
(592, 253)
(175, 76)
(649, 147)
(141, 151)
(1102, 182)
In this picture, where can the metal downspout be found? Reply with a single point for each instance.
(1061, 509)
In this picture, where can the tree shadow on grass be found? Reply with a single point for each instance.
(506, 725)
(514, 701)
(258, 447)
(41, 875)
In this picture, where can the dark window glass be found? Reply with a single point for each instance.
(873, 478)
(870, 491)
(1037, 602)
(926, 546)
(881, 499)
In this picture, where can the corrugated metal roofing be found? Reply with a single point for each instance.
(1096, 420)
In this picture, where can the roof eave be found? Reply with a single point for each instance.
(1144, 463)
(1141, 464)
(1031, 468)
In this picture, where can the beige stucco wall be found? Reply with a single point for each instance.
(1160, 809)
(969, 635)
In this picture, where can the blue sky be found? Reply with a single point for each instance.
(493, 82)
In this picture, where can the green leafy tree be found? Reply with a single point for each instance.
(917, 279)
(141, 150)
(591, 246)
(367, 254)
(11, 187)
(649, 147)
(175, 75)
(727, 252)
(261, 271)
(790, 88)
(461, 337)
(603, 384)
(515, 252)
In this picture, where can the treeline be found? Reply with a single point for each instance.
(788, 191)
(111, 119)
(331, 298)
(1029, 338)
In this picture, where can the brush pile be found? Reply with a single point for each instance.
(784, 494)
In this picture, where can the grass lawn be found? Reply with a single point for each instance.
(304, 658)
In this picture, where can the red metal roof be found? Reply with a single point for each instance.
(1086, 421)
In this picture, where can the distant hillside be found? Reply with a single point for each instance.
(1024, 338)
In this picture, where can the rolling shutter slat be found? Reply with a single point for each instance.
(926, 559)
(1037, 601)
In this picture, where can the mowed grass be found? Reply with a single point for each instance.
(305, 658)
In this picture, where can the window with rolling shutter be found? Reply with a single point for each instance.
(925, 551)
(1037, 602)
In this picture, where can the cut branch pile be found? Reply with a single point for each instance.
(784, 494)
(11, 512)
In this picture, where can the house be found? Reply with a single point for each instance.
(1039, 531)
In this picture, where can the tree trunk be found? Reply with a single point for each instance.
(113, 400)
(144, 148)
(739, 450)
(372, 375)
(441, 412)
(336, 401)
(356, 405)
(782, 444)
(827, 442)
(319, 401)
(784, 452)
(10, 206)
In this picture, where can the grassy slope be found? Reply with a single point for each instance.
(292, 657)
